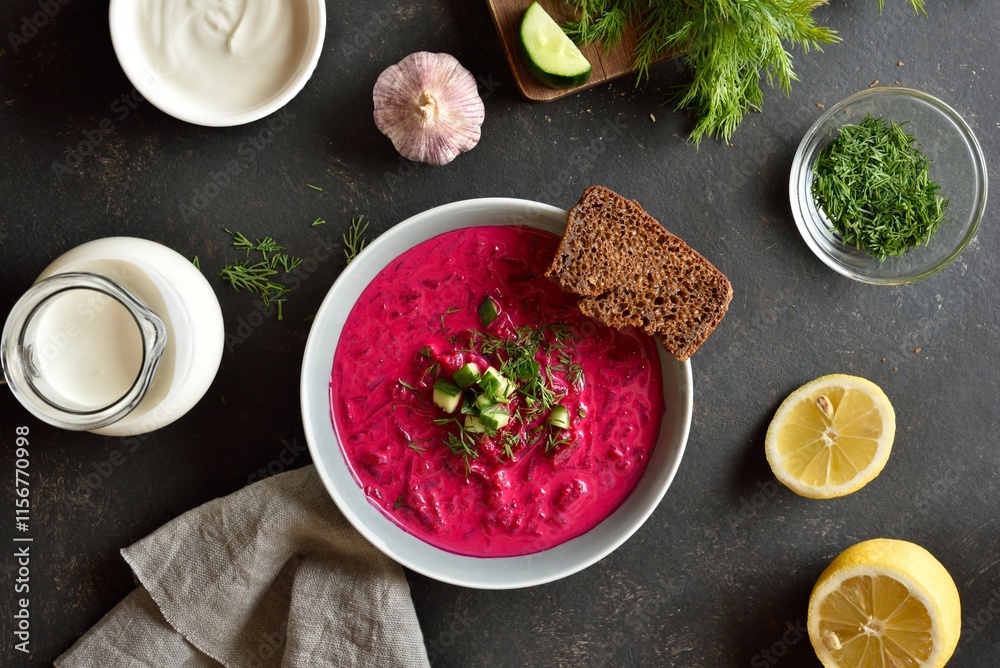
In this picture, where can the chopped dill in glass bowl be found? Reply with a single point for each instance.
(954, 163)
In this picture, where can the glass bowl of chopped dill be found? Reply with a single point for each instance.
(888, 186)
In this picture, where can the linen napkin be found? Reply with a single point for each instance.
(271, 575)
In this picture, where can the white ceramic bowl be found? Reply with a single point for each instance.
(413, 553)
(164, 84)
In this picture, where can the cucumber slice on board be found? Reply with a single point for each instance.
(551, 56)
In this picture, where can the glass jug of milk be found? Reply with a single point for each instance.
(119, 336)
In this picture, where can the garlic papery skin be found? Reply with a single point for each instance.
(429, 106)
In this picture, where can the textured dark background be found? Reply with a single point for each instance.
(722, 570)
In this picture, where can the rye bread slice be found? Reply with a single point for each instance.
(630, 271)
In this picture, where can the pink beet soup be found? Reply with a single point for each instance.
(512, 490)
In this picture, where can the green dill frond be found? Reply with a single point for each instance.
(354, 238)
(918, 6)
(729, 46)
(256, 276)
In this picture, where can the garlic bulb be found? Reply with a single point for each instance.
(429, 106)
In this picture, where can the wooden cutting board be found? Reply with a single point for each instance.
(607, 65)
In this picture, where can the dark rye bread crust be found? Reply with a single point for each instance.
(630, 271)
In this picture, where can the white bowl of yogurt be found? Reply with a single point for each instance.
(218, 62)
(391, 487)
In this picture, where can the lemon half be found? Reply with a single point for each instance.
(831, 436)
(884, 603)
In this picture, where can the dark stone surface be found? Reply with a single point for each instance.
(722, 570)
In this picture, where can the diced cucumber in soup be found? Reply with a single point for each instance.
(447, 396)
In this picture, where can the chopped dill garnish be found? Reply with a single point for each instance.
(561, 331)
(416, 447)
(399, 503)
(314, 187)
(288, 262)
(432, 371)
(529, 361)
(874, 186)
(574, 374)
(510, 441)
(318, 221)
(257, 276)
(554, 442)
(407, 385)
(196, 262)
(462, 443)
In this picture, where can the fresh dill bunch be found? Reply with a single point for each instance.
(918, 6)
(726, 44)
(604, 21)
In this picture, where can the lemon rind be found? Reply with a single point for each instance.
(878, 551)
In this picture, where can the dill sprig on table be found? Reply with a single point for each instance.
(354, 238)
(256, 276)
(874, 186)
(726, 44)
